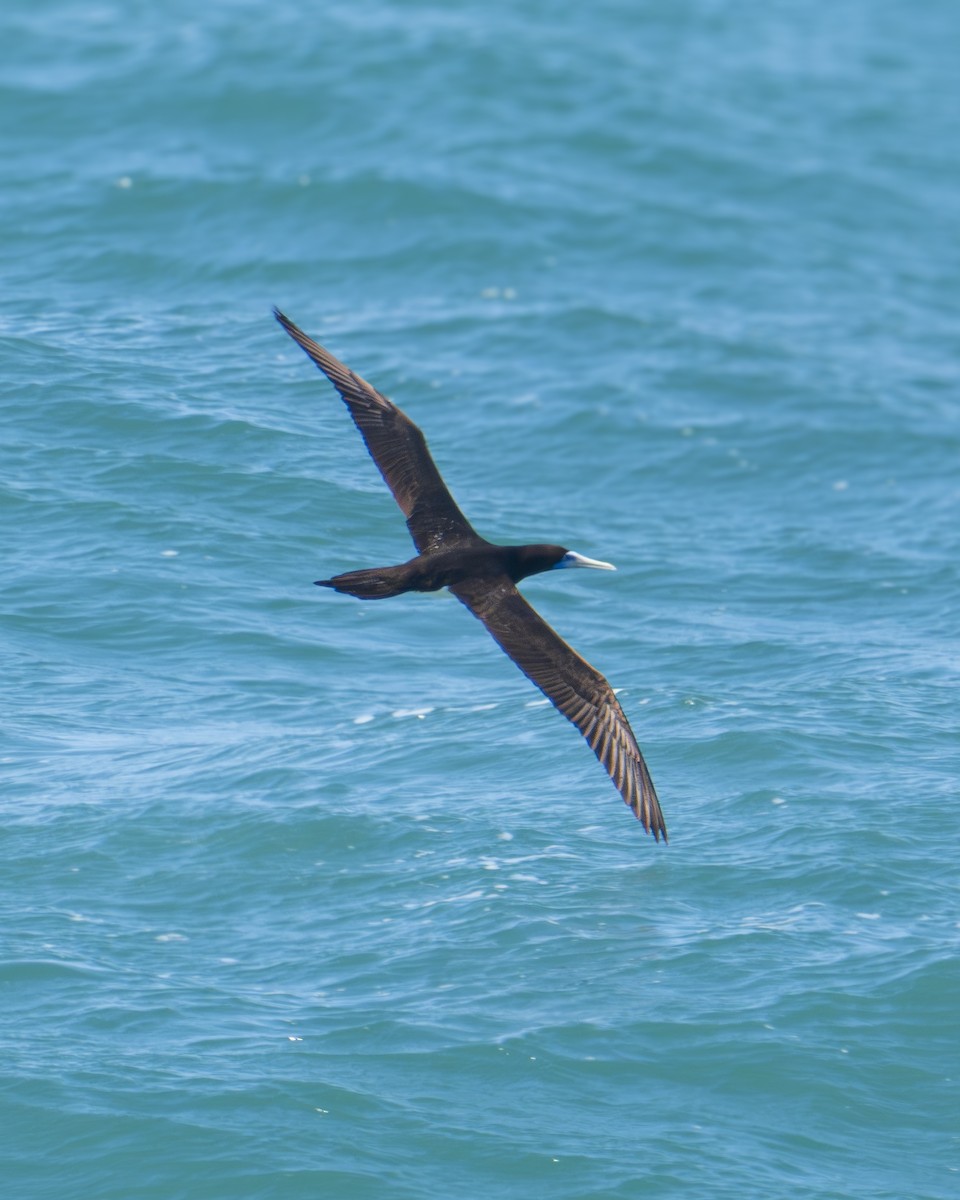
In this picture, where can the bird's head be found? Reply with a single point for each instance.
(532, 560)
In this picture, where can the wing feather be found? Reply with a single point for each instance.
(399, 449)
(575, 688)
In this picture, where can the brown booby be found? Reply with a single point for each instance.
(483, 576)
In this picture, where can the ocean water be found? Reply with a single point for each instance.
(302, 897)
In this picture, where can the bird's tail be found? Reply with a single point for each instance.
(375, 584)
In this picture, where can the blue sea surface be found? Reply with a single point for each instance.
(303, 897)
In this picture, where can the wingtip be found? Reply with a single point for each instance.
(658, 830)
(653, 822)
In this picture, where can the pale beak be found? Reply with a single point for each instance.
(572, 559)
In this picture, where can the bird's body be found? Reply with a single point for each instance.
(483, 576)
(448, 567)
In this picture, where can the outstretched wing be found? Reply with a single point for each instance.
(399, 449)
(578, 690)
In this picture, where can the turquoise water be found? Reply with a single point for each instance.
(303, 897)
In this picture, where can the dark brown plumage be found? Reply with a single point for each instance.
(483, 576)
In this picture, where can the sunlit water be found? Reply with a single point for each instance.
(304, 897)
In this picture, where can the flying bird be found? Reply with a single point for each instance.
(483, 576)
